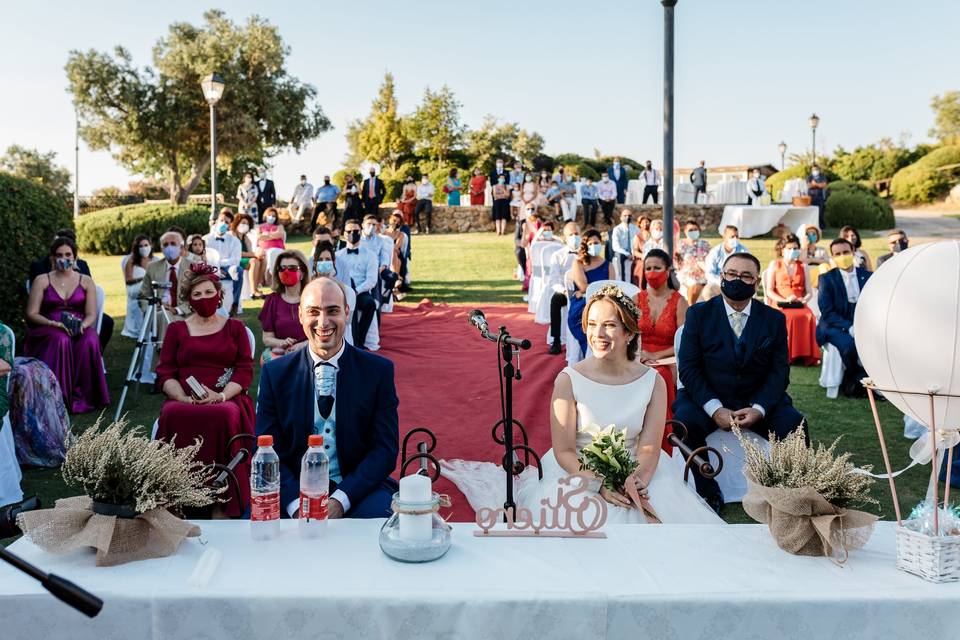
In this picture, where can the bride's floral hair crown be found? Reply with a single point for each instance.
(627, 310)
(616, 294)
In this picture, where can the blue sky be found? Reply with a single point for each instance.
(585, 75)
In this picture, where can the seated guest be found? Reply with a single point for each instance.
(241, 229)
(560, 264)
(377, 244)
(553, 198)
(861, 259)
(545, 233)
(590, 266)
(216, 352)
(693, 252)
(325, 213)
(657, 240)
(324, 261)
(399, 232)
(720, 254)
(733, 366)
(788, 288)
(270, 235)
(622, 243)
(896, 241)
(357, 269)
(134, 268)
(197, 247)
(335, 390)
(662, 311)
(62, 313)
(839, 292)
(810, 253)
(228, 250)
(166, 275)
(282, 332)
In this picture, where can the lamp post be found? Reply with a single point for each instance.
(76, 163)
(783, 152)
(213, 90)
(668, 6)
(814, 121)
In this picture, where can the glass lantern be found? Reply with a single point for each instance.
(415, 550)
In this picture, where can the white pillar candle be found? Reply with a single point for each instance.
(416, 488)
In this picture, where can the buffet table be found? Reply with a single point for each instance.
(756, 221)
(727, 581)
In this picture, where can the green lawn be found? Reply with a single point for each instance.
(477, 268)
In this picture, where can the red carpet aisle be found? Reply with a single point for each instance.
(447, 381)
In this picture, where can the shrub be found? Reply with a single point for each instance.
(925, 180)
(851, 185)
(584, 170)
(859, 208)
(29, 215)
(111, 231)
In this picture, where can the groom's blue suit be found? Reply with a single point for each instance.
(367, 436)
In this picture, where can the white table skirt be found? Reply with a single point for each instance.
(642, 581)
(729, 192)
(756, 221)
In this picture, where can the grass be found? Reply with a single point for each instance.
(477, 268)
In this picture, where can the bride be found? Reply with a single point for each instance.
(612, 387)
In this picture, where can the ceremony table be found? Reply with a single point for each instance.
(756, 221)
(728, 192)
(656, 581)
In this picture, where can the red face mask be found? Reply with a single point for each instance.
(656, 279)
(205, 307)
(289, 278)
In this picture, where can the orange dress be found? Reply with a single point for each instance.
(801, 324)
(658, 336)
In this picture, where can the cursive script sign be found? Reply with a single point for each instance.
(576, 513)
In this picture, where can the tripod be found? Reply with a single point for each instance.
(147, 340)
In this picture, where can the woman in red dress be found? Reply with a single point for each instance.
(788, 289)
(216, 351)
(478, 188)
(408, 200)
(662, 311)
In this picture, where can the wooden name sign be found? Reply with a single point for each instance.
(577, 513)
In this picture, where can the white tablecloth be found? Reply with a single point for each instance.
(729, 192)
(756, 221)
(793, 187)
(641, 582)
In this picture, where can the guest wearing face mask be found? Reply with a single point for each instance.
(788, 288)
(516, 175)
(500, 170)
(756, 188)
(528, 197)
(324, 260)
(301, 202)
(621, 241)
(818, 192)
(560, 263)
(501, 205)
(860, 256)
(590, 266)
(242, 228)
(227, 254)
(810, 253)
(270, 235)
(352, 200)
(357, 269)
(372, 194)
(478, 187)
(326, 209)
(839, 292)
(546, 233)
(693, 252)
(618, 175)
(215, 351)
(372, 241)
(425, 192)
(721, 253)
(408, 200)
(651, 183)
(568, 194)
(588, 200)
(167, 273)
(134, 269)
(266, 191)
(607, 193)
(896, 241)
(247, 196)
(657, 240)
(62, 314)
(282, 332)
(399, 232)
(323, 235)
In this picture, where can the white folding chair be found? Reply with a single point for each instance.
(101, 297)
(540, 253)
(10, 475)
(831, 370)
(351, 303)
(387, 307)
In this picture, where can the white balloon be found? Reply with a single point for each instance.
(907, 328)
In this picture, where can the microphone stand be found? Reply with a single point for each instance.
(81, 600)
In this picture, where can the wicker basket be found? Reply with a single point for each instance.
(802, 201)
(933, 558)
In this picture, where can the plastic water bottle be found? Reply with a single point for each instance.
(314, 489)
(265, 491)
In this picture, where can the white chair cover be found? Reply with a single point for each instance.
(387, 307)
(10, 474)
(540, 253)
(351, 303)
(831, 370)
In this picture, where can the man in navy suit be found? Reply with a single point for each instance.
(344, 394)
(839, 292)
(372, 194)
(499, 170)
(618, 174)
(733, 366)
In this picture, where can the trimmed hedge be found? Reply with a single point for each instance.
(111, 231)
(923, 181)
(852, 185)
(29, 216)
(853, 204)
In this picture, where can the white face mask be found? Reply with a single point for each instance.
(594, 250)
(271, 219)
(693, 234)
(606, 178)
(325, 267)
(548, 235)
(303, 182)
(368, 230)
(145, 251)
(528, 179)
(425, 181)
(243, 228)
(573, 242)
(656, 234)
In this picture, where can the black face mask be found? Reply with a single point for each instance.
(353, 236)
(373, 173)
(737, 290)
(326, 182)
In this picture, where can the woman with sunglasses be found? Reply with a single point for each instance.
(282, 331)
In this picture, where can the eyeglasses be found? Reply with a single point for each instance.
(746, 277)
(289, 267)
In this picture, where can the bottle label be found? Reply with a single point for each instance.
(313, 507)
(265, 506)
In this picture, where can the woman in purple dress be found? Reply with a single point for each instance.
(62, 313)
(280, 319)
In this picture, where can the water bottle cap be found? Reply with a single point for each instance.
(264, 441)
(315, 441)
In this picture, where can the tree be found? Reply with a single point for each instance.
(435, 126)
(946, 109)
(155, 121)
(527, 146)
(491, 141)
(38, 167)
(381, 136)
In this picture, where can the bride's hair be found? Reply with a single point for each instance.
(626, 309)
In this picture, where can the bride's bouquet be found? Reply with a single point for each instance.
(607, 456)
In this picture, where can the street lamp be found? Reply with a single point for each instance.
(783, 152)
(668, 7)
(213, 90)
(814, 121)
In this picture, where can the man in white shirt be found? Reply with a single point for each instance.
(756, 187)
(425, 192)
(560, 264)
(622, 241)
(651, 183)
(357, 269)
(380, 246)
(301, 201)
(568, 192)
(228, 250)
(607, 195)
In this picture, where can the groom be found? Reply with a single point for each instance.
(344, 394)
(733, 366)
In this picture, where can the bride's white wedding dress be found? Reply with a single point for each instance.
(622, 405)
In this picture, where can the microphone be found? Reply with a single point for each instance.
(478, 320)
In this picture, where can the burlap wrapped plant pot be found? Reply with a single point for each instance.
(73, 524)
(802, 522)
